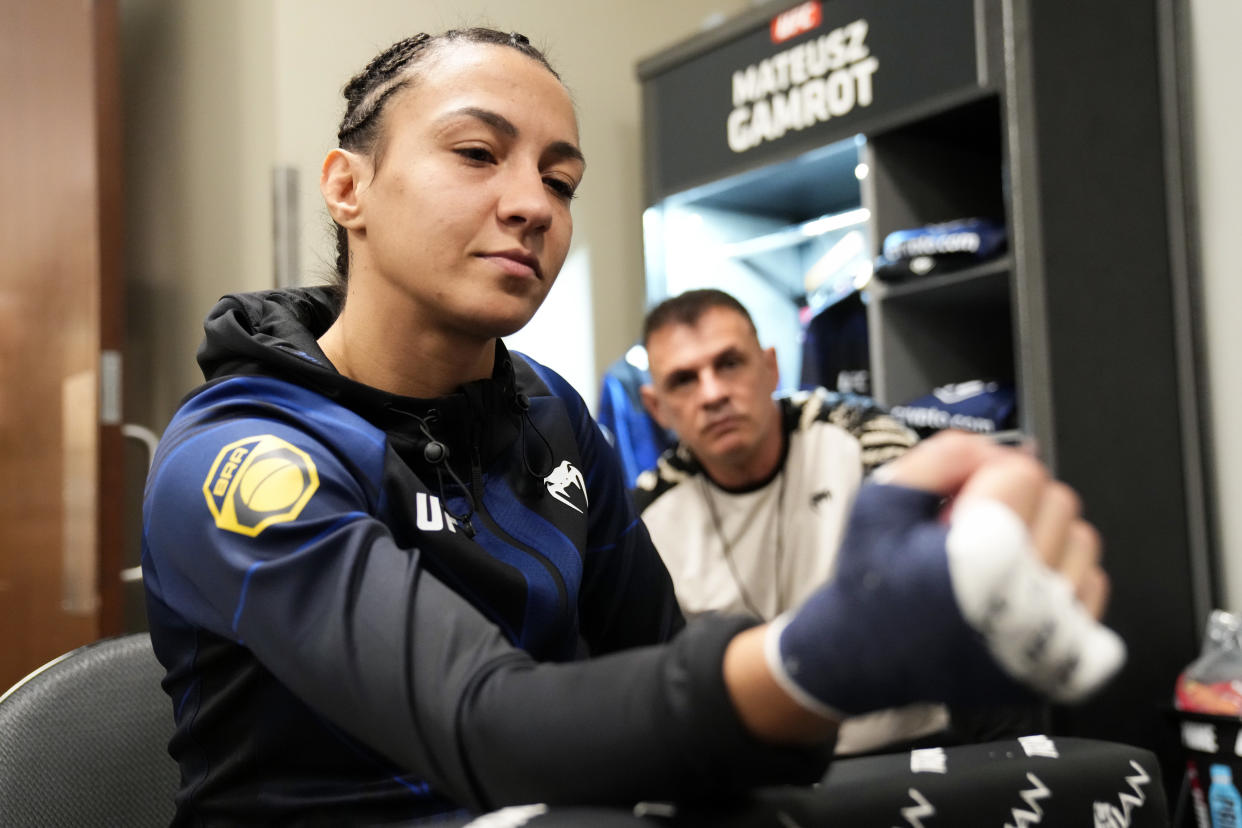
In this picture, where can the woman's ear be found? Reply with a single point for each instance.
(338, 181)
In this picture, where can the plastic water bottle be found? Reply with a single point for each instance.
(1223, 799)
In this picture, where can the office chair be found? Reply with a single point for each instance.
(83, 740)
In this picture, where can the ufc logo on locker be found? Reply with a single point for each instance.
(797, 20)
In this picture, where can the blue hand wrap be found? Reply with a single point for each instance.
(921, 611)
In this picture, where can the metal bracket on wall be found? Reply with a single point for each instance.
(285, 236)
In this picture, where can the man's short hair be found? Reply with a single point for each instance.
(686, 308)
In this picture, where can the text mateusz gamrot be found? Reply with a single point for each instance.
(812, 82)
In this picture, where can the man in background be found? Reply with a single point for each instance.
(748, 508)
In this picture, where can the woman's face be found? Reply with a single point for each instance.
(467, 210)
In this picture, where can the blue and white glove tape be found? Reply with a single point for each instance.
(920, 611)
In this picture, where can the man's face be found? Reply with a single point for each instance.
(712, 384)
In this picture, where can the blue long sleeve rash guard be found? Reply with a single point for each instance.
(374, 607)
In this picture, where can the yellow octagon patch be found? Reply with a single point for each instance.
(257, 482)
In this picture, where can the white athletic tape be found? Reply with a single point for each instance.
(1034, 627)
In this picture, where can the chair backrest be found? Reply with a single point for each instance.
(84, 740)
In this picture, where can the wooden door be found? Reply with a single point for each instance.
(60, 305)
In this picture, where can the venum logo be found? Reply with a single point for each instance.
(561, 482)
(1034, 814)
(913, 814)
(1108, 815)
(257, 482)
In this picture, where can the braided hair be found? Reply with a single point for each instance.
(388, 72)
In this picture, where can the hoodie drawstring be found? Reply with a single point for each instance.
(522, 403)
(437, 454)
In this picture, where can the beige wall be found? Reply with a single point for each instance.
(218, 92)
(198, 145)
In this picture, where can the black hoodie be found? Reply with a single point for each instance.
(374, 607)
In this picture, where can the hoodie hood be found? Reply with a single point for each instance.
(268, 332)
(275, 333)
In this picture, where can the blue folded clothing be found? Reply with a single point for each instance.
(942, 247)
(979, 406)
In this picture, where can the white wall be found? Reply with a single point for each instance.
(696, 260)
(218, 92)
(1217, 65)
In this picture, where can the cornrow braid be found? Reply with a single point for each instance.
(388, 72)
(366, 92)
